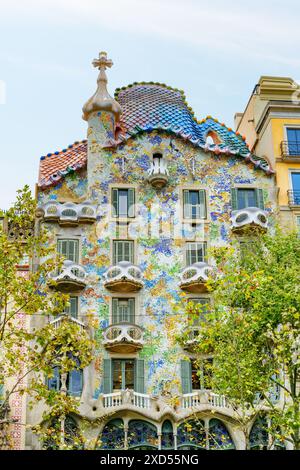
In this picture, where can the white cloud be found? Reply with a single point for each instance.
(262, 31)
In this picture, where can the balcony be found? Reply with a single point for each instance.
(158, 174)
(69, 213)
(201, 397)
(124, 277)
(190, 337)
(57, 322)
(193, 278)
(123, 338)
(249, 218)
(71, 278)
(294, 198)
(290, 151)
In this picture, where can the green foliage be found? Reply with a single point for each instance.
(28, 353)
(252, 329)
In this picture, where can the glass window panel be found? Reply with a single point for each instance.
(72, 309)
(195, 253)
(117, 374)
(122, 251)
(196, 384)
(123, 202)
(129, 374)
(246, 198)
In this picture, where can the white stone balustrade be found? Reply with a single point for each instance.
(123, 337)
(203, 397)
(57, 322)
(249, 217)
(123, 277)
(193, 278)
(69, 213)
(190, 335)
(70, 278)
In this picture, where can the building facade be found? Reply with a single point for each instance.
(135, 209)
(271, 124)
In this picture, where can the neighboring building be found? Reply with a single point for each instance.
(271, 125)
(134, 209)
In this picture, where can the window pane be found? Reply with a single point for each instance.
(246, 198)
(123, 202)
(129, 374)
(74, 382)
(72, 309)
(195, 253)
(122, 251)
(196, 385)
(117, 374)
(69, 249)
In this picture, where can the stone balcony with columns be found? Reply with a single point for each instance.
(123, 338)
(69, 213)
(155, 407)
(250, 218)
(193, 278)
(158, 174)
(70, 278)
(124, 277)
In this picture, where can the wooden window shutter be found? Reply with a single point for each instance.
(107, 376)
(260, 198)
(202, 203)
(131, 303)
(115, 311)
(130, 202)
(234, 199)
(186, 204)
(115, 202)
(186, 376)
(139, 385)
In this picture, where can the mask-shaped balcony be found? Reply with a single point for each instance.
(193, 278)
(71, 277)
(123, 338)
(123, 277)
(158, 173)
(249, 218)
(69, 213)
(190, 338)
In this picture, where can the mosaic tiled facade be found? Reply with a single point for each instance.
(147, 130)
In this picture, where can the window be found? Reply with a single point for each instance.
(72, 308)
(123, 310)
(196, 375)
(295, 178)
(293, 137)
(194, 204)
(123, 374)
(201, 374)
(195, 252)
(122, 251)
(69, 249)
(74, 381)
(241, 198)
(120, 374)
(123, 202)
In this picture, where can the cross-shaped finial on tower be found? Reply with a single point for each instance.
(102, 62)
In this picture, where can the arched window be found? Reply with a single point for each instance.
(259, 436)
(219, 437)
(167, 436)
(142, 435)
(112, 436)
(72, 437)
(191, 435)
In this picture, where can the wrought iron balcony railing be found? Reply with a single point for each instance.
(294, 197)
(290, 149)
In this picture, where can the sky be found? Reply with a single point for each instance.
(215, 51)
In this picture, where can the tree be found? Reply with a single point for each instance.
(252, 330)
(30, 355)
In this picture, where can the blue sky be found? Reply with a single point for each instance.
(216, 51)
